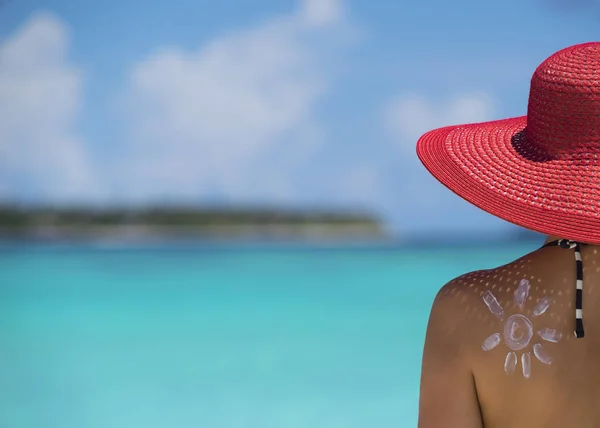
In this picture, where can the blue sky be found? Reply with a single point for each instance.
(294, 103)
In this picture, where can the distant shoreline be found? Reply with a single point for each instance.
(312, 237)
(172, 224)
(151, 224)
(142, 233)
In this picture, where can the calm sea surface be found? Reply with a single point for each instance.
(219, 336)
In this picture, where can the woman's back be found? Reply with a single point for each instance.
(505, 347)
(502, 342)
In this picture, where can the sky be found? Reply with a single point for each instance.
(306, 103)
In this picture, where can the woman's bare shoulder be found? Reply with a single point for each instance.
(512, 327)
(470, 304)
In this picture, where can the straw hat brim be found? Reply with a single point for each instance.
(491, 166)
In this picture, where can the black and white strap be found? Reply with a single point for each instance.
(564, 243)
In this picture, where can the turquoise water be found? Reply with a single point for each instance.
(218, 336)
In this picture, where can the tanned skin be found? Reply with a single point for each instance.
(463, 386)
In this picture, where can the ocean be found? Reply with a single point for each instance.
(219, 335)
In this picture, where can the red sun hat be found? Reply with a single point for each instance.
(540, 171)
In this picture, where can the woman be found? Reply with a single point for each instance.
(519, 345)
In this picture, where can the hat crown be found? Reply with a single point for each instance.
(563, 116)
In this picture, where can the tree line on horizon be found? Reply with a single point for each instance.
(24, 217)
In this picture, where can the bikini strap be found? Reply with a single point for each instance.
(566, 244)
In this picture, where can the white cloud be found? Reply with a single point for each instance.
(409, 117)
(40, 98)
(224, 118)
(322, 12)
(233, 119)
